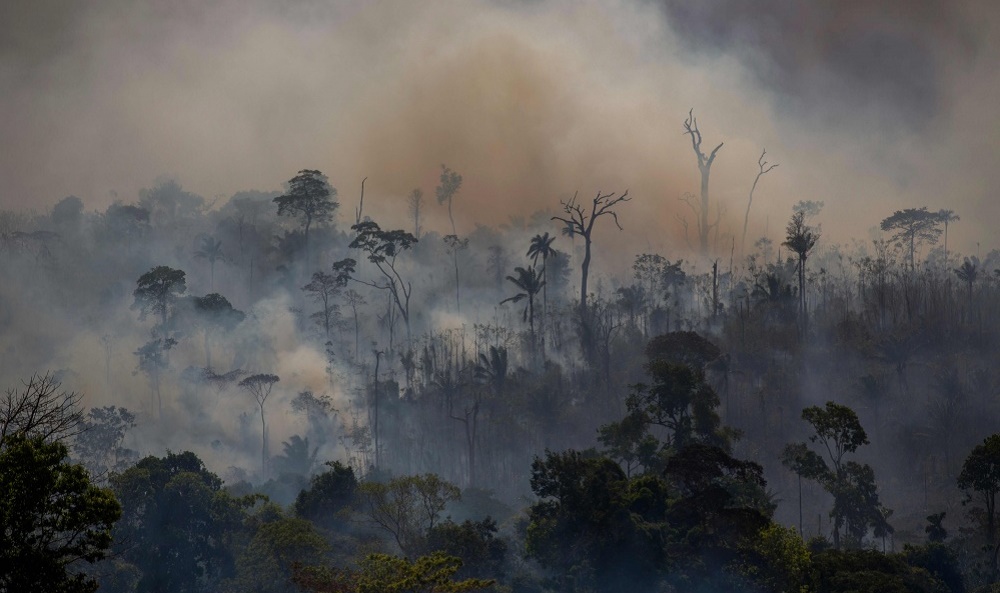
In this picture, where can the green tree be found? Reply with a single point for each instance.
(382, 573)
(53, 518)
(856, 504)
(266, 564)
(406, 508)
(177, 523)
(980, 479)
(329, 495)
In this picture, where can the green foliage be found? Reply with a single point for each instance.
(266, 564)
(856, 504)
(980, 479)
(328, 496)
(777, 560)
(176, 522)
(869, 571)
(407, 508)
(483, 554)
(52, 518)
(382, 573)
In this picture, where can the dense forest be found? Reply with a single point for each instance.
(288, 401)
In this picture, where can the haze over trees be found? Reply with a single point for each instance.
(672, 425)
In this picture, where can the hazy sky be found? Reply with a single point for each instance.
(868, 106)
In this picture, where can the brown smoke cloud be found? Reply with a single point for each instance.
(528, 101)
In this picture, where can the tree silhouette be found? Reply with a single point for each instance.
(968, 273)
(541, 247)
(215, 314)
(382, 248)
(450, 184)
(156, 291)
(705, 168)
(323, 289)
(856, 504)
(210, 249)
(530, 284)
(415, 202)
(454, 245)
(912, 227)
(800, 238)
(259, 386)
(765, 168)
(580, 222)
(310, 199)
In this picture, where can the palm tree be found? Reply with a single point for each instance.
(529, 282)
(800, 238)
(210, 249)
(541, 246)
(968, 272)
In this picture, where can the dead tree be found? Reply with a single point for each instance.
(580, 222)
(764, 169)
(705, 168)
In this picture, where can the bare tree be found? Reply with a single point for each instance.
(765, 168)
(454, 245)
(705, 168)
(40, 409)
(259, 386)
(580, 222)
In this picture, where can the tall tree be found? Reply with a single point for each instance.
(455, 245)
(259, 386)
(764, 169)
(800, 238)
(912, 227)
(310, 199)
(210, 249)
(382, 249)
(450, 184)
(157, 290)
(416, 202)
(856, 504)
(530, 284)
(579, 221)
(705, 168)
(541, 247)
(323, 289)
(947, 217)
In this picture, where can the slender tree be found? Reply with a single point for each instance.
(764, 169)
(259, 386)
(450, 184)
(705, 168)
(210, 249)
(530, 284)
